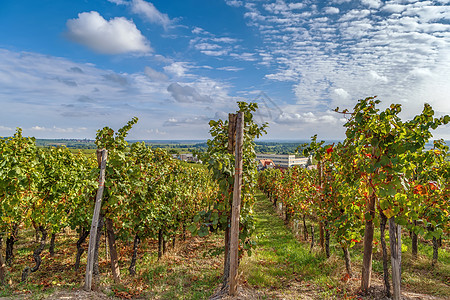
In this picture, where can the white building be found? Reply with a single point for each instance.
(283, 160)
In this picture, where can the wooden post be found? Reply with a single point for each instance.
(368, 244)
(102, 156)
(232, 118)
(231, 150)
(112, 250)
(387, 285)
(2, 262)
(236, 208)
(395, 239)
(321, 180)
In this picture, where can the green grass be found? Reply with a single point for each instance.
(279, 258)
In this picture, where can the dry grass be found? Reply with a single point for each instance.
(188, 271)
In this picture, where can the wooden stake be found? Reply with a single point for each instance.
(231, 150)
(236, 208)
(232, 118)
(2, 264)
(103, 155)
(395, 239)
(112, 250)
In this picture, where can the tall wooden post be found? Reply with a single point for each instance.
(236, 208)
(2, 263)
(395, 239)
(368, 245)
(102, 156)
(112, 250)
(231, 149)
(321, 184)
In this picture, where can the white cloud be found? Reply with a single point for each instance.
(207, 46)
(230, 68)
(428, 12)
(213, 46)
(342, 94)
(149, 11)
(393, 8)
(188, 122)
(245, 56)
(372, 3)
(115, 36)
(296, 5)
(234, 3)
(4, 128)
(340, 1)
(155, 75)
(421, 73)
(297, 119)
(375, 76)
(146, 10)
(199, 30)
(226, 40)
(355, 14)
(178, 69)
(58, 129)
(118, 2)
(156, 132)
(331, 10)
(215, 53)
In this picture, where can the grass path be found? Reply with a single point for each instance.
(281, 266)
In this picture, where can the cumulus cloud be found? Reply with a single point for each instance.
(393, 8)
(115, 36)
(297, 119)
(331, 10)
(342, 94)
(149, 11)
(178, 69)
(186, 94)
(155, 75)
(372, 3)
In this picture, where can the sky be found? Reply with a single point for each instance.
(69, 68)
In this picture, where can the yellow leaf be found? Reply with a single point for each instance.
(388, 213)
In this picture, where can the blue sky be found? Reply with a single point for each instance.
(68, 68)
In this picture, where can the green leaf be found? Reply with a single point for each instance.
(192, 228)
(204, 231)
